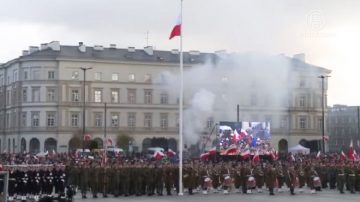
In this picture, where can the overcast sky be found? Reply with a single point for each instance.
(327, 31)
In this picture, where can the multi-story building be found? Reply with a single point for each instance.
(42, 98)
(343, 126)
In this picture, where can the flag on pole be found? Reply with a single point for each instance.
(236, 137)
(351, 151)
(343, 156)
(109, 141)
(87, 137)
(318, 155)
(176, 31)
(256, 157)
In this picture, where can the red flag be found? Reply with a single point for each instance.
(256, 157)
(212, 151)
(236, 137)
(109, 141)
(355, 155)
(243, 133)
(318, 155)
(351, 151)
(87, 137)
(170, 153)
(158, 155)
(204, 156)
(176, 31)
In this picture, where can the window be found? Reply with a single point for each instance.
(319, 123)
(164, 98)
(75, 96)
(1, 79)
(148, 96)
(75, 75)
(75, 119)
(26, 75)
(147, 78)
(114, 119)
(98, 76)
(35, 119)
(114, 96)
(97, 96)
(131, 119)
(36, 94)
(15, 75)
(98, 119)
(24, 94)
(115, 77)
(131, 96)
(51, 119)
(36, 74)
(23, 119)
(177, 120)
(51, 95)
(302, 122)
(148, 120)
(302, 100)
(163, 120)
(210, 123)
(131, 77)
(7, 97)
(283, 122)
(51, 75)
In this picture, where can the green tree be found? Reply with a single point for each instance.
(123, 141)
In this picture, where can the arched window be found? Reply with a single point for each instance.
(34, 146)
(50, 145)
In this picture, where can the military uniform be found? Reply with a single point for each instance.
(270, 178)
(290, 178)
(84, 180)
(340, 178)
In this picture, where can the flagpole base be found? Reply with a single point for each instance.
(180, 194)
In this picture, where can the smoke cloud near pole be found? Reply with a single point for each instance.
(258, 83)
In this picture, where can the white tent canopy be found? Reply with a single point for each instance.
(299, 149)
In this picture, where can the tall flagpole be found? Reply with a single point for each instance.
(181, 144)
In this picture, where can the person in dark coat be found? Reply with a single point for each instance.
(270, 178)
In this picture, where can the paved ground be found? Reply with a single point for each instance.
(323, 196)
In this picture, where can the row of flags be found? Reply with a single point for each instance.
(159, 155)
(244, 154)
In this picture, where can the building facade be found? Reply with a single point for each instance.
(42, 99)
(343, 126)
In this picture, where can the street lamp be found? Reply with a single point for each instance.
(83, 131)
(322, 77)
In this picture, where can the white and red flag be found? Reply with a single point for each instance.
(256, 157)
(236, 136)
(245, 154)
(170, 153)
(87, 137)
(109, 141)
(351, 151)
(204, 156)
(176, 31)
(158, 155)
(342, 155)
(318, 155)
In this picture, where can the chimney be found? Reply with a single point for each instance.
(98, 47)
(113, 46)
(43, 46)
(54, 45)
(25, 52)
(300, 56)
(82, 47)
(175, 51)
(131, 49)
(33, 49)
(149, 50)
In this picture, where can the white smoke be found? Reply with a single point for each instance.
(254, 81)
